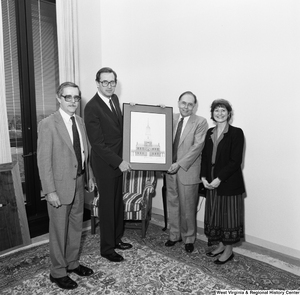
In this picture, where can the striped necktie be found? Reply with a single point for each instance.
(113, 108)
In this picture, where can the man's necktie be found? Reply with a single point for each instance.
(176, 140)
(76, 145)
(113, 108)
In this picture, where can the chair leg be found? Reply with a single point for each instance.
(144, 228)
(93, 221)
(164, 199)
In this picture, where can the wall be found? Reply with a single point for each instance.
(243, 51)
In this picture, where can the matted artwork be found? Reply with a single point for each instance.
(147, 136)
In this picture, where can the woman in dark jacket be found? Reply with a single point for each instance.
(221, 175)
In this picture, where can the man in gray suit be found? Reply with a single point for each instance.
(63, 162)
(182, 179)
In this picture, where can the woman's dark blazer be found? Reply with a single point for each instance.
(228, 161)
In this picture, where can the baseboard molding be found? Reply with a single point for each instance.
(251, 243)
(269, 246)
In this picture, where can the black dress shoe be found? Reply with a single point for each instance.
(82, 271)
(170, 243)
(211, 254)
(123, 246)
(115, 257)
(222, 262)
(189, 247)
(64, 282)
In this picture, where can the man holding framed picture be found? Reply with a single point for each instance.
(183, 177)
(104, 126)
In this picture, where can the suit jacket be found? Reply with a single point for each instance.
(228, 161)
(105, 133)
(56, 157)
(189, 149)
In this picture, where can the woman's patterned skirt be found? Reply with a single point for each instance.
(224, 218)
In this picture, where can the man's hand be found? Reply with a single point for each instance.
(174, 168)
(91, 186)
(53, 199)
(125, 166)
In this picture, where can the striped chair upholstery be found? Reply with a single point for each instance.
(94, 210)
(138, 191)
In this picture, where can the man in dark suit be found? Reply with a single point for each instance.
(103, 119)
(63, 156)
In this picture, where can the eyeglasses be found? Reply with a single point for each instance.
(183, 104)
(69, 98)
(105, 83)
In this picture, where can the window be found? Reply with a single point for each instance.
(31, 79)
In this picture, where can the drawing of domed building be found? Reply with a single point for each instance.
(147, 148)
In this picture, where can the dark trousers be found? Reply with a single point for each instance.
(111, 213)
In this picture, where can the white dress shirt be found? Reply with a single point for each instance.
(106, 100)
(185, 119)
(68, 122)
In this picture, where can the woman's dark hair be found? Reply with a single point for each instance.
(221, 103)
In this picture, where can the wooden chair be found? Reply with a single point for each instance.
(138, 191)
(93, 204)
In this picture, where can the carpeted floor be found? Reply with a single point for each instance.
(149, 268)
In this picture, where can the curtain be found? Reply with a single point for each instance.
(5, 154)
(67, 34)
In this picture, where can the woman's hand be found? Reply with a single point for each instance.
(206, 184)
(215, 183)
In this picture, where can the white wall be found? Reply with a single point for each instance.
(243, 51)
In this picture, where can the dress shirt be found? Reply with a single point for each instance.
(68, 122)
(216, 141)
(185, 119)
(106, 100)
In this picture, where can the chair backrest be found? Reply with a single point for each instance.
(135, 181)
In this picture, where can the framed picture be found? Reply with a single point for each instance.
(147, 136)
